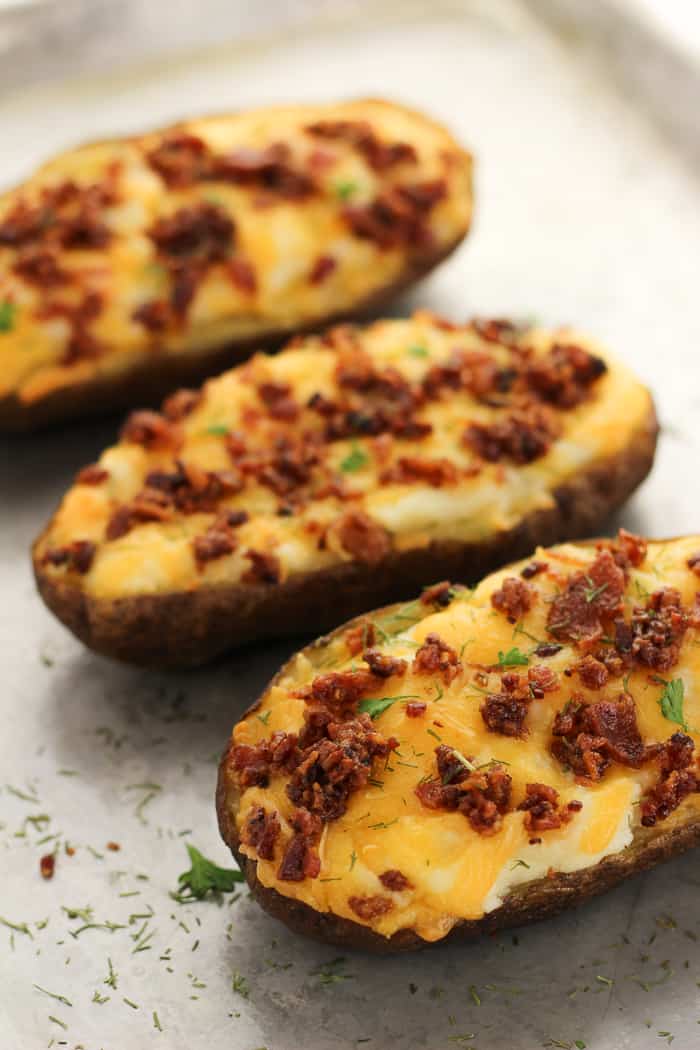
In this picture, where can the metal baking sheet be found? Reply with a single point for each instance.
(588, 212)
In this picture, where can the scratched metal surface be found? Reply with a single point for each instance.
(587, 213)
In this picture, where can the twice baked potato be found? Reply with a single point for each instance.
(299, 489)
(132, 266)
(476, 759)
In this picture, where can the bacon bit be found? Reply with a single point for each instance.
(588, 737)
(151, 430)
(576, 615)
(513, 598)
(439, 594)
(264, 568)
(203, 232)
(47, 865)
(564, 375)
(219, 539)
(483, 796)
(113, 846)
(322, 268)
(93, 474)
(654, 635)
(180, 404)
(382, 665)
(534, 569)
(471, 370)
(148, 506)
(395, 880)
(436, 472)
(253, 765)
(180, 159)
(397, 217)
(368, 908)
(542, 680)
(505, 714)
(65, 214)
(77, 556)
(189, 488)
(338, 690)
(333, 768)
(242, 275)
(437, 657)
(592, 672)
(39, 266)
(628, 550)
(542, 810)
(676, 780)
(155, 315)
(278, 399)
(268, 169)
(70, 850)
(415, 708)
(300, 859)
(363, 538)
(261, 831)
(359, 133)
(522, 436)
(360, 636)
(497, 330)
(693, 563)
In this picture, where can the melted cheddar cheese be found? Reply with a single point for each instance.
(477, 498)
(454, 871)
(216, 231)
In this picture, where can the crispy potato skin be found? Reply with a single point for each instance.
(527, 903)
(149, 380)
(184, 629)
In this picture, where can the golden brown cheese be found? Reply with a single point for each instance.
(216, 231)
(450, 870)
(344, 447)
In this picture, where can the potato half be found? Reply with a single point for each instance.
(300, 489)
(131, 266)
(476, 759)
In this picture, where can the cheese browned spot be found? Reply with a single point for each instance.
(348, 447)
(443, 810)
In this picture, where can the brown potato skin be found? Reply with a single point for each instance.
(155, 375)
(527, 903)
(186, 629)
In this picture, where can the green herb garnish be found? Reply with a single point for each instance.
(240, 984)
(418, 351)
(513, 658)
(671, 702)
(592, 593)
(346, 189)
(355, 459)
(217, 429)
(374, 708)
(7, 316)
(204, 877)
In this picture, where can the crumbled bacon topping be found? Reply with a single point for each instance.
(505, 713)
(322, 268)
(482, 795)
(360, 636)
(261, 831)
(654, 635)
(300, 859)
(395, 880)
(471, 370)
(339, 691)
(383, 665)
(438, 594)
(588, 737)
(435, 472)
(415, 708)
(77, 556)
(363, 538)
(220, 538)
(591, 596)
(359, 133)
(676, 780)
(564, 375)
(242, 275)
(65, 215)
(39, 266)
(693, 563)
(513, 598)
(149, 505)
(180, 159)
(279, 401)
(592, 672)
(180, 404)
(368, 908)
(523, 435)
(542, 809)
(151, 430)
(534, 568)
(628, 550)
(437, 657)
(265, 567)
(397, 216)
(47, 865)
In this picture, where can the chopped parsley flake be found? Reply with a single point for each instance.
(346, 189)
(217, 429)
(513, 658)
(7, 316)
(671, 702)
(355, 460)
(374, 708)
(204, 877)
(240, 984)
(418, 351)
